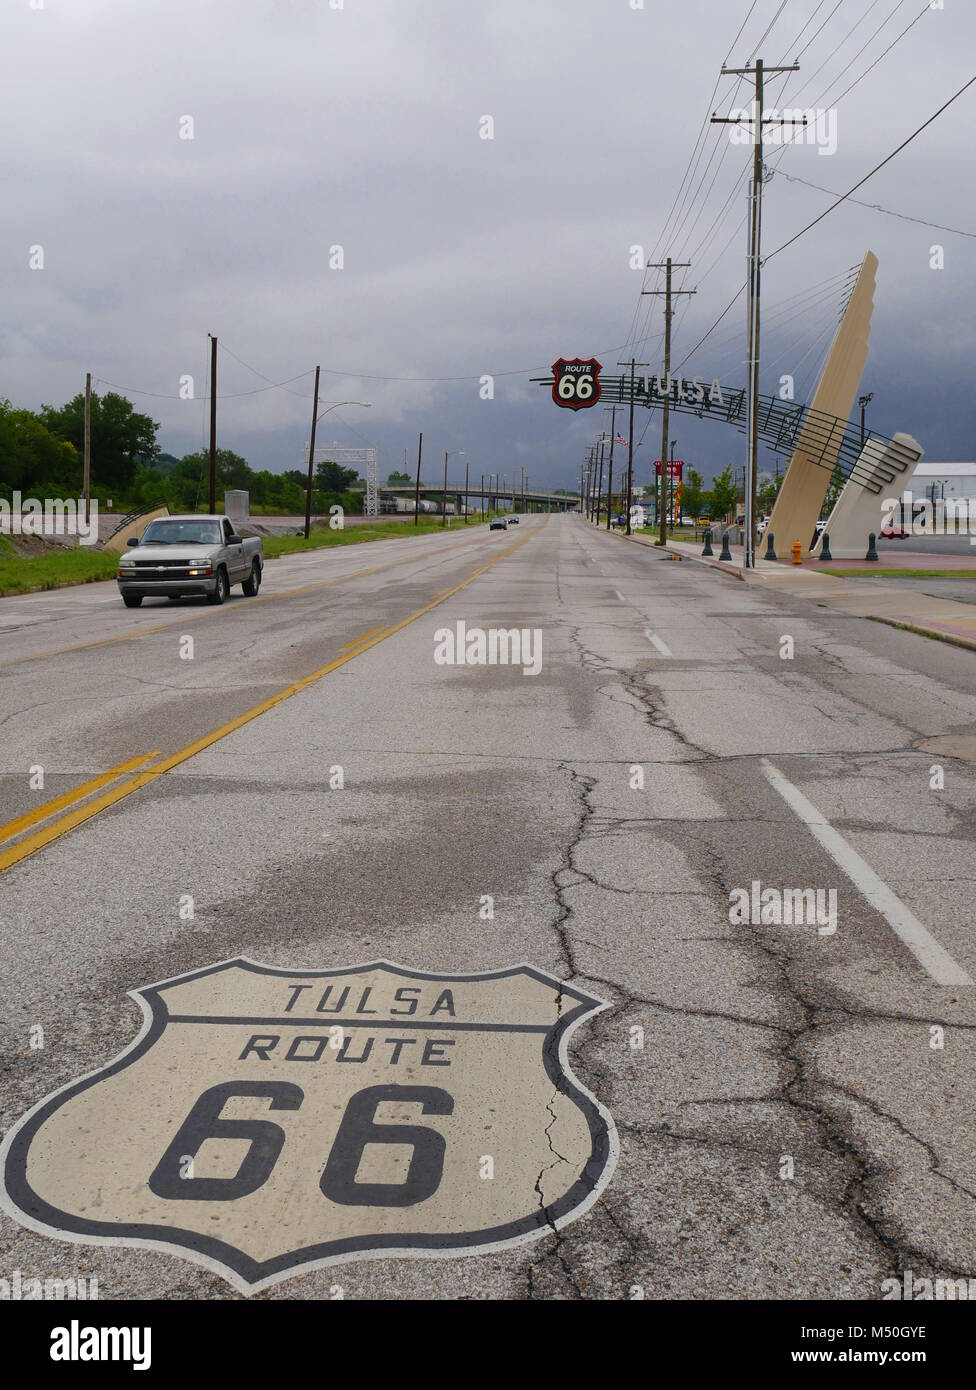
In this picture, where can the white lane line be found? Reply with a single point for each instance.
(655, 641)
(906, 926)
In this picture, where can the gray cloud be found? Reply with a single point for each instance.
(360, 127)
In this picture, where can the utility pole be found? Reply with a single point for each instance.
(416, 491)
(213, 424)
(465, 503)
(758, 73)
(482, 497)
(87, 475)
(599, 486)
(311, 458)
(667, 266)
(613, 435)
(630, 441)
(444, 502)
(630, 446)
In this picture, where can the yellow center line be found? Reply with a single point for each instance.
(50, 808)
(32, 843)
(356, 640)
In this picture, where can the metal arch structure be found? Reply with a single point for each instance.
(830, 442)
(363, 460)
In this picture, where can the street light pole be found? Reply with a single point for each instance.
(311, 457)
(316, 417)
(863, 402)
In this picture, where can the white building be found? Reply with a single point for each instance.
(945, 480)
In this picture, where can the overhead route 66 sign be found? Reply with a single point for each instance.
(268, 1121)
(577, 382)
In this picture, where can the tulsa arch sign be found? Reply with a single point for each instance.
(818, 438)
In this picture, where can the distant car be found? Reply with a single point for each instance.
(513, 521)
(894, 533)
(497, 523)
(620, 519)
(761, 528)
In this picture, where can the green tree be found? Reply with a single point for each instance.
(399, 477)
(122, 440)
(767, 494)
(33, 459)
(693, 495)
(722, 496)
(332, 477)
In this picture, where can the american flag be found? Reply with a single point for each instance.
(620, 439)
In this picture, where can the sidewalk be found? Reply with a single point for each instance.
(942, 618)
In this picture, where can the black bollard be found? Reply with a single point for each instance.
(825, 548)
(708, 542)
(770, 552)
(726, 552)
(872, 548)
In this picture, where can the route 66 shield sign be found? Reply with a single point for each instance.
(267, 1121)
(576, 382)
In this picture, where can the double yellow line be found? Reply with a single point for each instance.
(85, 805)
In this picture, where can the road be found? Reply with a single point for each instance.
(794, 1106)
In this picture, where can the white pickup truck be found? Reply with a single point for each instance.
(189, 556)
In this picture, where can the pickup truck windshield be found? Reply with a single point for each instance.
(182, 533)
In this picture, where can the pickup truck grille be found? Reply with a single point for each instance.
(163, 569)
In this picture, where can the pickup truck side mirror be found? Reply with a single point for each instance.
(235, 540)
(133, 540)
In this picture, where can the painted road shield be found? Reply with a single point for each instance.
(267, 1120)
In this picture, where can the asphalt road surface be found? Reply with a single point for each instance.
(761, 1110)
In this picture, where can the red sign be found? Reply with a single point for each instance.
(675, 467)
(576, 384)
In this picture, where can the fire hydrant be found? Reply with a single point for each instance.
(797, 553)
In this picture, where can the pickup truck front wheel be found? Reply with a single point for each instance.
(252, 585)
(221, 588)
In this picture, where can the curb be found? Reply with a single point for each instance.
(934, 633)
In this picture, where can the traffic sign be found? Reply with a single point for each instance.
(577, 382)
(268, 1121)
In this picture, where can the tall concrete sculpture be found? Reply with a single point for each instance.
(801, 497)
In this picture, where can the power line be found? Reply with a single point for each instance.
(876, 207)
(862, 182)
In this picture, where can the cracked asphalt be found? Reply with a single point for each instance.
(796, 1112)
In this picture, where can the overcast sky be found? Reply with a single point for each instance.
(360, 127)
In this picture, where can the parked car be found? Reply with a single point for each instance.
(189, 556)
(497, 523)
(891, 532)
